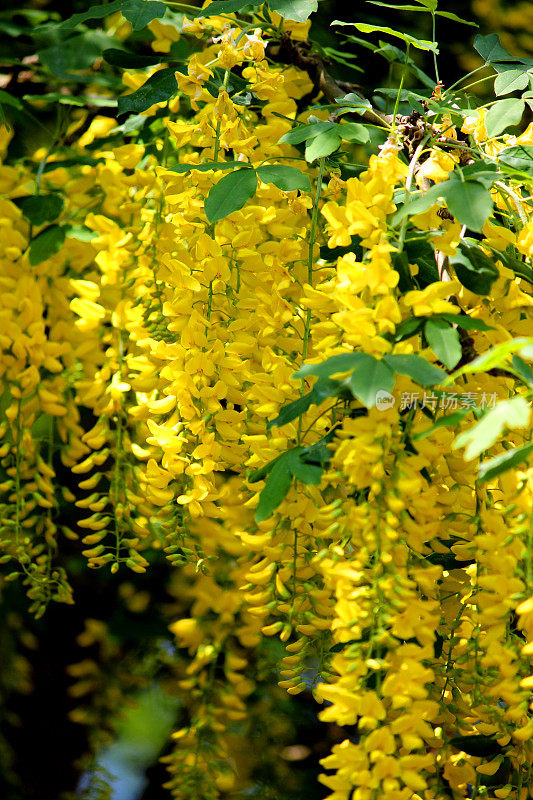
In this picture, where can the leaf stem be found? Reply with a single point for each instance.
(434, 42)
(400, 87)
(219, 121)
(408, 184)
(516, 200)
(312, 238)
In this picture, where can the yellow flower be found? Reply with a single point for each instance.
(430, 300)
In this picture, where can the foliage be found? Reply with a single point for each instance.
(251, 316)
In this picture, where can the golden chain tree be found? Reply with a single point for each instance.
(280, 334)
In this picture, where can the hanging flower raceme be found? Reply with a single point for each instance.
(227, 353)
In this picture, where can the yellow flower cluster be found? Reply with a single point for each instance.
(144, 352)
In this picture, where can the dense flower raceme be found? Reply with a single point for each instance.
(146, 349)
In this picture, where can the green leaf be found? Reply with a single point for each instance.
(468, 323)
(353, 132)
(296, 10)
(261, 473)
(511, 80)
(353, 101)
(477, 745)
(134, 123)
(319, 453)
(504, 462)
(523, 370)
(276, 487)
(207, 166)
(417, 368)
(322, 389)
(74, 159)
(80, 232)
(443, 339)
(519, 157)
(512, 413)
(370, 376)
(474, 269)
(77, 53)
(161, 86)
(322, 145)
(8, 100)
(138, 12)
(46, 244)
(42, 208)
(490, 49)
(418, 203)
(495, 357)
(448, 561)
(431, 5)
(400, 262)
(395, 7)
(421, 253)
(469, 202)
(285, 178)
(406, 329)
(466, 194)
(420, 44)
(455, 18)
(122, 58)
(344, 362)
(518, 266)
(230, 194)
(502, 115)
(304, 132)
(225, 7)
(95, 12)
(141, 12)
(481, 171)
(281, 471)
(72, 100)
(307, 473)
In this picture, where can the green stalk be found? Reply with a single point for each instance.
(404, 73)
(434, 42)
(312, 239)
(408, 184)
(464, 78)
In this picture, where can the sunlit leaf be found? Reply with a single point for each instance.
(230, 194)
(285, 178)
(322, 145)
(46, 244)
(417, 368)
(502, 115)
(41, 208)
(370, 376)
(512, 413)
(511, 80)
(420, 44)
(296, 10)
(490, 49)
(511, 458)
(470, 203)
(443, 339)
(159, 88)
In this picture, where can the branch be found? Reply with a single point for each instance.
(301, 55)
